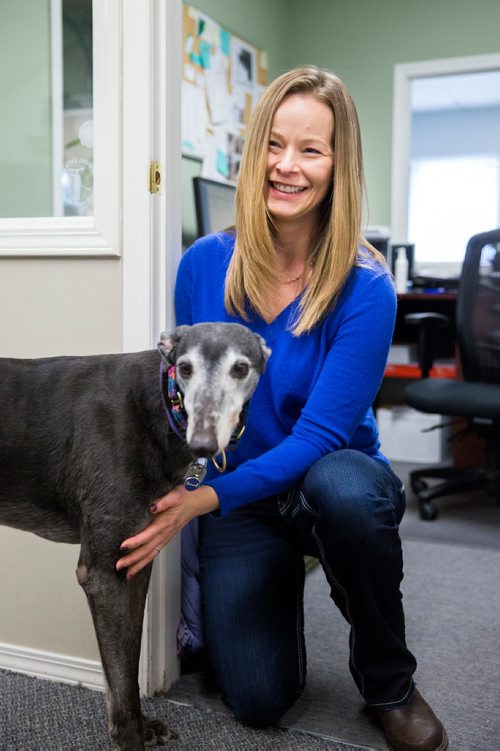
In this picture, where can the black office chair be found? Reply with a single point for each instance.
(477, 396)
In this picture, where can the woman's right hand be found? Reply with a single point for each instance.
(171, 512)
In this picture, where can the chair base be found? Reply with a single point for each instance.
(455, 480)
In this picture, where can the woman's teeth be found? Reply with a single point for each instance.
(288, 188)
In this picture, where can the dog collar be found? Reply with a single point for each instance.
(173, 403)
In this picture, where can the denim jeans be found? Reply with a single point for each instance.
(346, 513)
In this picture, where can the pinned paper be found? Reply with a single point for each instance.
(225, 42)
(222, 163)
(223, 76)
(205, 54)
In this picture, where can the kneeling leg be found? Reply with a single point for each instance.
(252, 582)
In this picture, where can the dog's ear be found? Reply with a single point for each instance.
(169, 341)
(265, 352)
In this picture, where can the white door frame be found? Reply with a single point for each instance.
(404, 74)
(151, 252)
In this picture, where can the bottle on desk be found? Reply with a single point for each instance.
(401, 271)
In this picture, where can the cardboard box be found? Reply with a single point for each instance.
(402, 436)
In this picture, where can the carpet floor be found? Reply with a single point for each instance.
(39, 715)
(450, 590)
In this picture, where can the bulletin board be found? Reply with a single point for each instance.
(222, 79)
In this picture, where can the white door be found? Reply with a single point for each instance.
(90, 222)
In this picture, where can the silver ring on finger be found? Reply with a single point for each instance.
(157, 548)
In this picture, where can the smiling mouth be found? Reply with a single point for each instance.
(283, 188)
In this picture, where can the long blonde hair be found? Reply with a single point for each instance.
(335, 246)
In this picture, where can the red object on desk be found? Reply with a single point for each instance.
(413, 371)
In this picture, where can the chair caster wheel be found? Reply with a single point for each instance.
(428, 511)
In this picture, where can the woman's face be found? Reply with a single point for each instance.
(300, 159)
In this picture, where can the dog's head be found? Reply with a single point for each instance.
(217, 367)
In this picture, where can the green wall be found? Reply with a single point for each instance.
(361, 40)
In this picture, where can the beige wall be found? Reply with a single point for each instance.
(49, 307)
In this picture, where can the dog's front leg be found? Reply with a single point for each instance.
(117, 609)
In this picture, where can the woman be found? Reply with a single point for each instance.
(307, 476)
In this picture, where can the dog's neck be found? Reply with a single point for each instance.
(172, 400)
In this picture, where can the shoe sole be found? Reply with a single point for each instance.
(442, 746)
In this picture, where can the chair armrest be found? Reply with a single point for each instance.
(426, 337)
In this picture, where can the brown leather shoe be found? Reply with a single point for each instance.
(414, 727)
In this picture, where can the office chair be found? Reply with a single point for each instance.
(477, 396)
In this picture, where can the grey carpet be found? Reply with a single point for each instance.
(38, 715)
(464, 519)
(452, 570)
(453, 627)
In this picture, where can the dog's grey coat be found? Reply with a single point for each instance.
(85, 447)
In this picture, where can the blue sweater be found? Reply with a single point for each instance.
(316, 394)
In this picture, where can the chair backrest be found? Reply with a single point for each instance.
(478, 309)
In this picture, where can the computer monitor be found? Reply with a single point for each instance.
(379, 238)
(215, 205)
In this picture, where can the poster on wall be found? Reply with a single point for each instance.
(222, 79)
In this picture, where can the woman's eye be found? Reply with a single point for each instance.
(273, 145)
(240, 370)
(311, 150)
(185, 369)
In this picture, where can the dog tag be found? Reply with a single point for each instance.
(195, 474)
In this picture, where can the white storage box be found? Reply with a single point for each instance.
(402, 437)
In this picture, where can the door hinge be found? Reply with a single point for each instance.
(155, 177)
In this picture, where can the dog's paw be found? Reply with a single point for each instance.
(154, 733)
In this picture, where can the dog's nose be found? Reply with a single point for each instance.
(203, 444)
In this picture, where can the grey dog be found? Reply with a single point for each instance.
(85, 447)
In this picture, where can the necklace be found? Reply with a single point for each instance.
(293, 279)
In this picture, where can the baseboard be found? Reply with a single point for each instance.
(51, 666)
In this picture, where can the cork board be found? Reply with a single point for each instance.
(223, 77)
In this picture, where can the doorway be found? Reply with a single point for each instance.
(446, 157)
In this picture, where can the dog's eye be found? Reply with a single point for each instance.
(185, 369)
(240, 370)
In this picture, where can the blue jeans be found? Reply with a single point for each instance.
(346, 513)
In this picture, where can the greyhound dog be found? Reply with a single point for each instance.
(87, 443)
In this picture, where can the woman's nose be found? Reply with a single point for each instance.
(288, 161)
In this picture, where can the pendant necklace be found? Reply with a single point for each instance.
(293, 279)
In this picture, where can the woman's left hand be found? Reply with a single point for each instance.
(170, 513)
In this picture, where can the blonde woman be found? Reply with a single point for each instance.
(307, 476)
